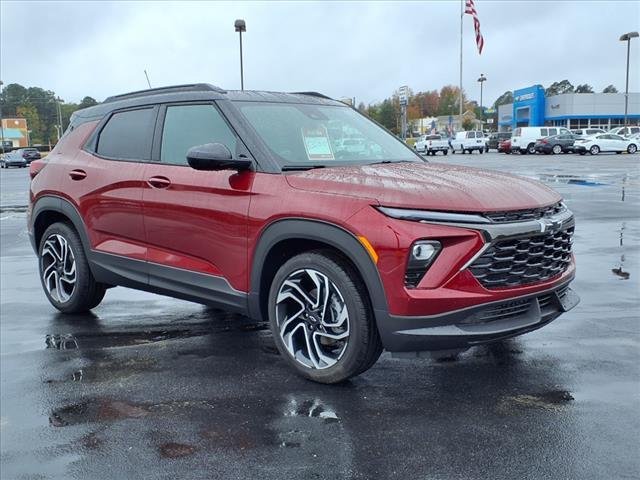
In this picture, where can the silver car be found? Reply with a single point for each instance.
(13, 159)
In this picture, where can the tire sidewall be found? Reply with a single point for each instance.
(356, 305)
(83, 274)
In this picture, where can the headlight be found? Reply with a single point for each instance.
(421, 256)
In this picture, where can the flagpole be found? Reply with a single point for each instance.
(460, 97)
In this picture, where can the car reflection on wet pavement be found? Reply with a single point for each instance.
(150, 387)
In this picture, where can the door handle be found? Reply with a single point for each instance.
(77, 174)
(159, 182)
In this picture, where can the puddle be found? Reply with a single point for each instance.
(570, 180)
(619, 270)
(92, 411)
(175, 450)
(61, 342)
(553, 400)
(311, 408)
(68, 341)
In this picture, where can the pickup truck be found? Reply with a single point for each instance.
(431, 144)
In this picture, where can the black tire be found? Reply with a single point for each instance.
(444, 152)
(583, 153)
(363, 347)
(87, 293)
(531, 149)
(594, 150)
(632, 148)
(556, 149)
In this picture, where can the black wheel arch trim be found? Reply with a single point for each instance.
(320, 231)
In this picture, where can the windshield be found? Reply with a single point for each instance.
(322, 135)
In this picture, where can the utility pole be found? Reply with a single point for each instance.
(240, 27)
(460, 97)
(147, 76)
(59, 118)
(627, 38)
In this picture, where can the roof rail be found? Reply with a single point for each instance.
(312, 94)
(191, 87)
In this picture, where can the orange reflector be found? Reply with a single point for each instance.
(367, 245)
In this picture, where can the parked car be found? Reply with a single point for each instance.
(13, 159)
(495, 138)
(625, 131)
(504, 146)
(524, 139)
(432, 144)
(586, 132)
(30, 154)
(605, 143)
(468, 142)
(239, 200)
(556, 144)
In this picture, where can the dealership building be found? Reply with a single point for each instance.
(572, 110)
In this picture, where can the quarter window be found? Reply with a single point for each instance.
(187, 126)
(127, 135)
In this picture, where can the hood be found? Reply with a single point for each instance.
(428, 186)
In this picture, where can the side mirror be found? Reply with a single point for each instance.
(215, 156)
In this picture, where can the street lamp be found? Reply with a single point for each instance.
(482, 79)
(241, 26)
(627, 38)
(1, 122)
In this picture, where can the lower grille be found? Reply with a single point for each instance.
(523, 261)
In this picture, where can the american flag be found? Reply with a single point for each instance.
(471, 10)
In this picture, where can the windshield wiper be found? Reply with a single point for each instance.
(286, 168)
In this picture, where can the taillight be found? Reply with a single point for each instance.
(544, 140)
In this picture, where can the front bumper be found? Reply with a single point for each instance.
(579, 148)
(475, 325)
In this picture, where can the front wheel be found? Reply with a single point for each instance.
(632, 148)
(64, 271)
(321, 318)
(594, 150)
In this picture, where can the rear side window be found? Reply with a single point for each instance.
(516, 132)
(471, 134)
(187, 126)
(127, 135)
(544, 132)
(553, 131)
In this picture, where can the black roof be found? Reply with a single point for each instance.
(195, 92)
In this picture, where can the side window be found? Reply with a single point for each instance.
(186, 126)
(471, 135)
(127, 135)
(544, 132)
(564, 130)
(553, 131)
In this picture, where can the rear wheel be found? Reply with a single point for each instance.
(321, 318)
(445, 152)
(594, 150)
(64, 271)
(531, 149)
(557, 149)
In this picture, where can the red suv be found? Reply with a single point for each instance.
(255, 202)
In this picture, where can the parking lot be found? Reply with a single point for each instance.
(151, 387)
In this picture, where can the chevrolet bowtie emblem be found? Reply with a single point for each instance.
(547, 224)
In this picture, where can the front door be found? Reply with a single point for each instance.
(196, 221)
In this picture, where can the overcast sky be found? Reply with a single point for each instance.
(357, 49)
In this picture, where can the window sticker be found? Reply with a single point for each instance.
(317, 144)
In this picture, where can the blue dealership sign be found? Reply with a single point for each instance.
(528, 107)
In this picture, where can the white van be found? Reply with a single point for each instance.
(468, 142)
(523, 139)
(625, 131)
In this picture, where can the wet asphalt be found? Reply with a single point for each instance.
(150, 387)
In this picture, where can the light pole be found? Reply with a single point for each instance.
(241, 26)
(627, 38)
(482, 79)
(1, 122)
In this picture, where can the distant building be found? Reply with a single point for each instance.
(14, 132)
(571, 110)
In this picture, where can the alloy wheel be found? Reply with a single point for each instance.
(58, 267)
(594, 150)
(557, 149)
(312, 319)
(632, 148)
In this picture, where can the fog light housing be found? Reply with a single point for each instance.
(421, 256)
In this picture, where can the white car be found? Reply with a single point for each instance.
(625, 131)
(523, 139)
(606, 142)
(468, 142)
(432, 144)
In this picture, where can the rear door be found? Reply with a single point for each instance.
(106, 180)
(196, 221)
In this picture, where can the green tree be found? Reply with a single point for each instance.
(30, 113)
(387, 115)
(504, 99)
(584, 88)
(558, 88)
(449, 100)
(87, 102)
(610, 89)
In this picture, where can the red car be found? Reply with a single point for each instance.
(249, 201)
(504, 146)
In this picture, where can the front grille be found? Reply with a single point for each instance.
(522, 261)
(524, 215)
